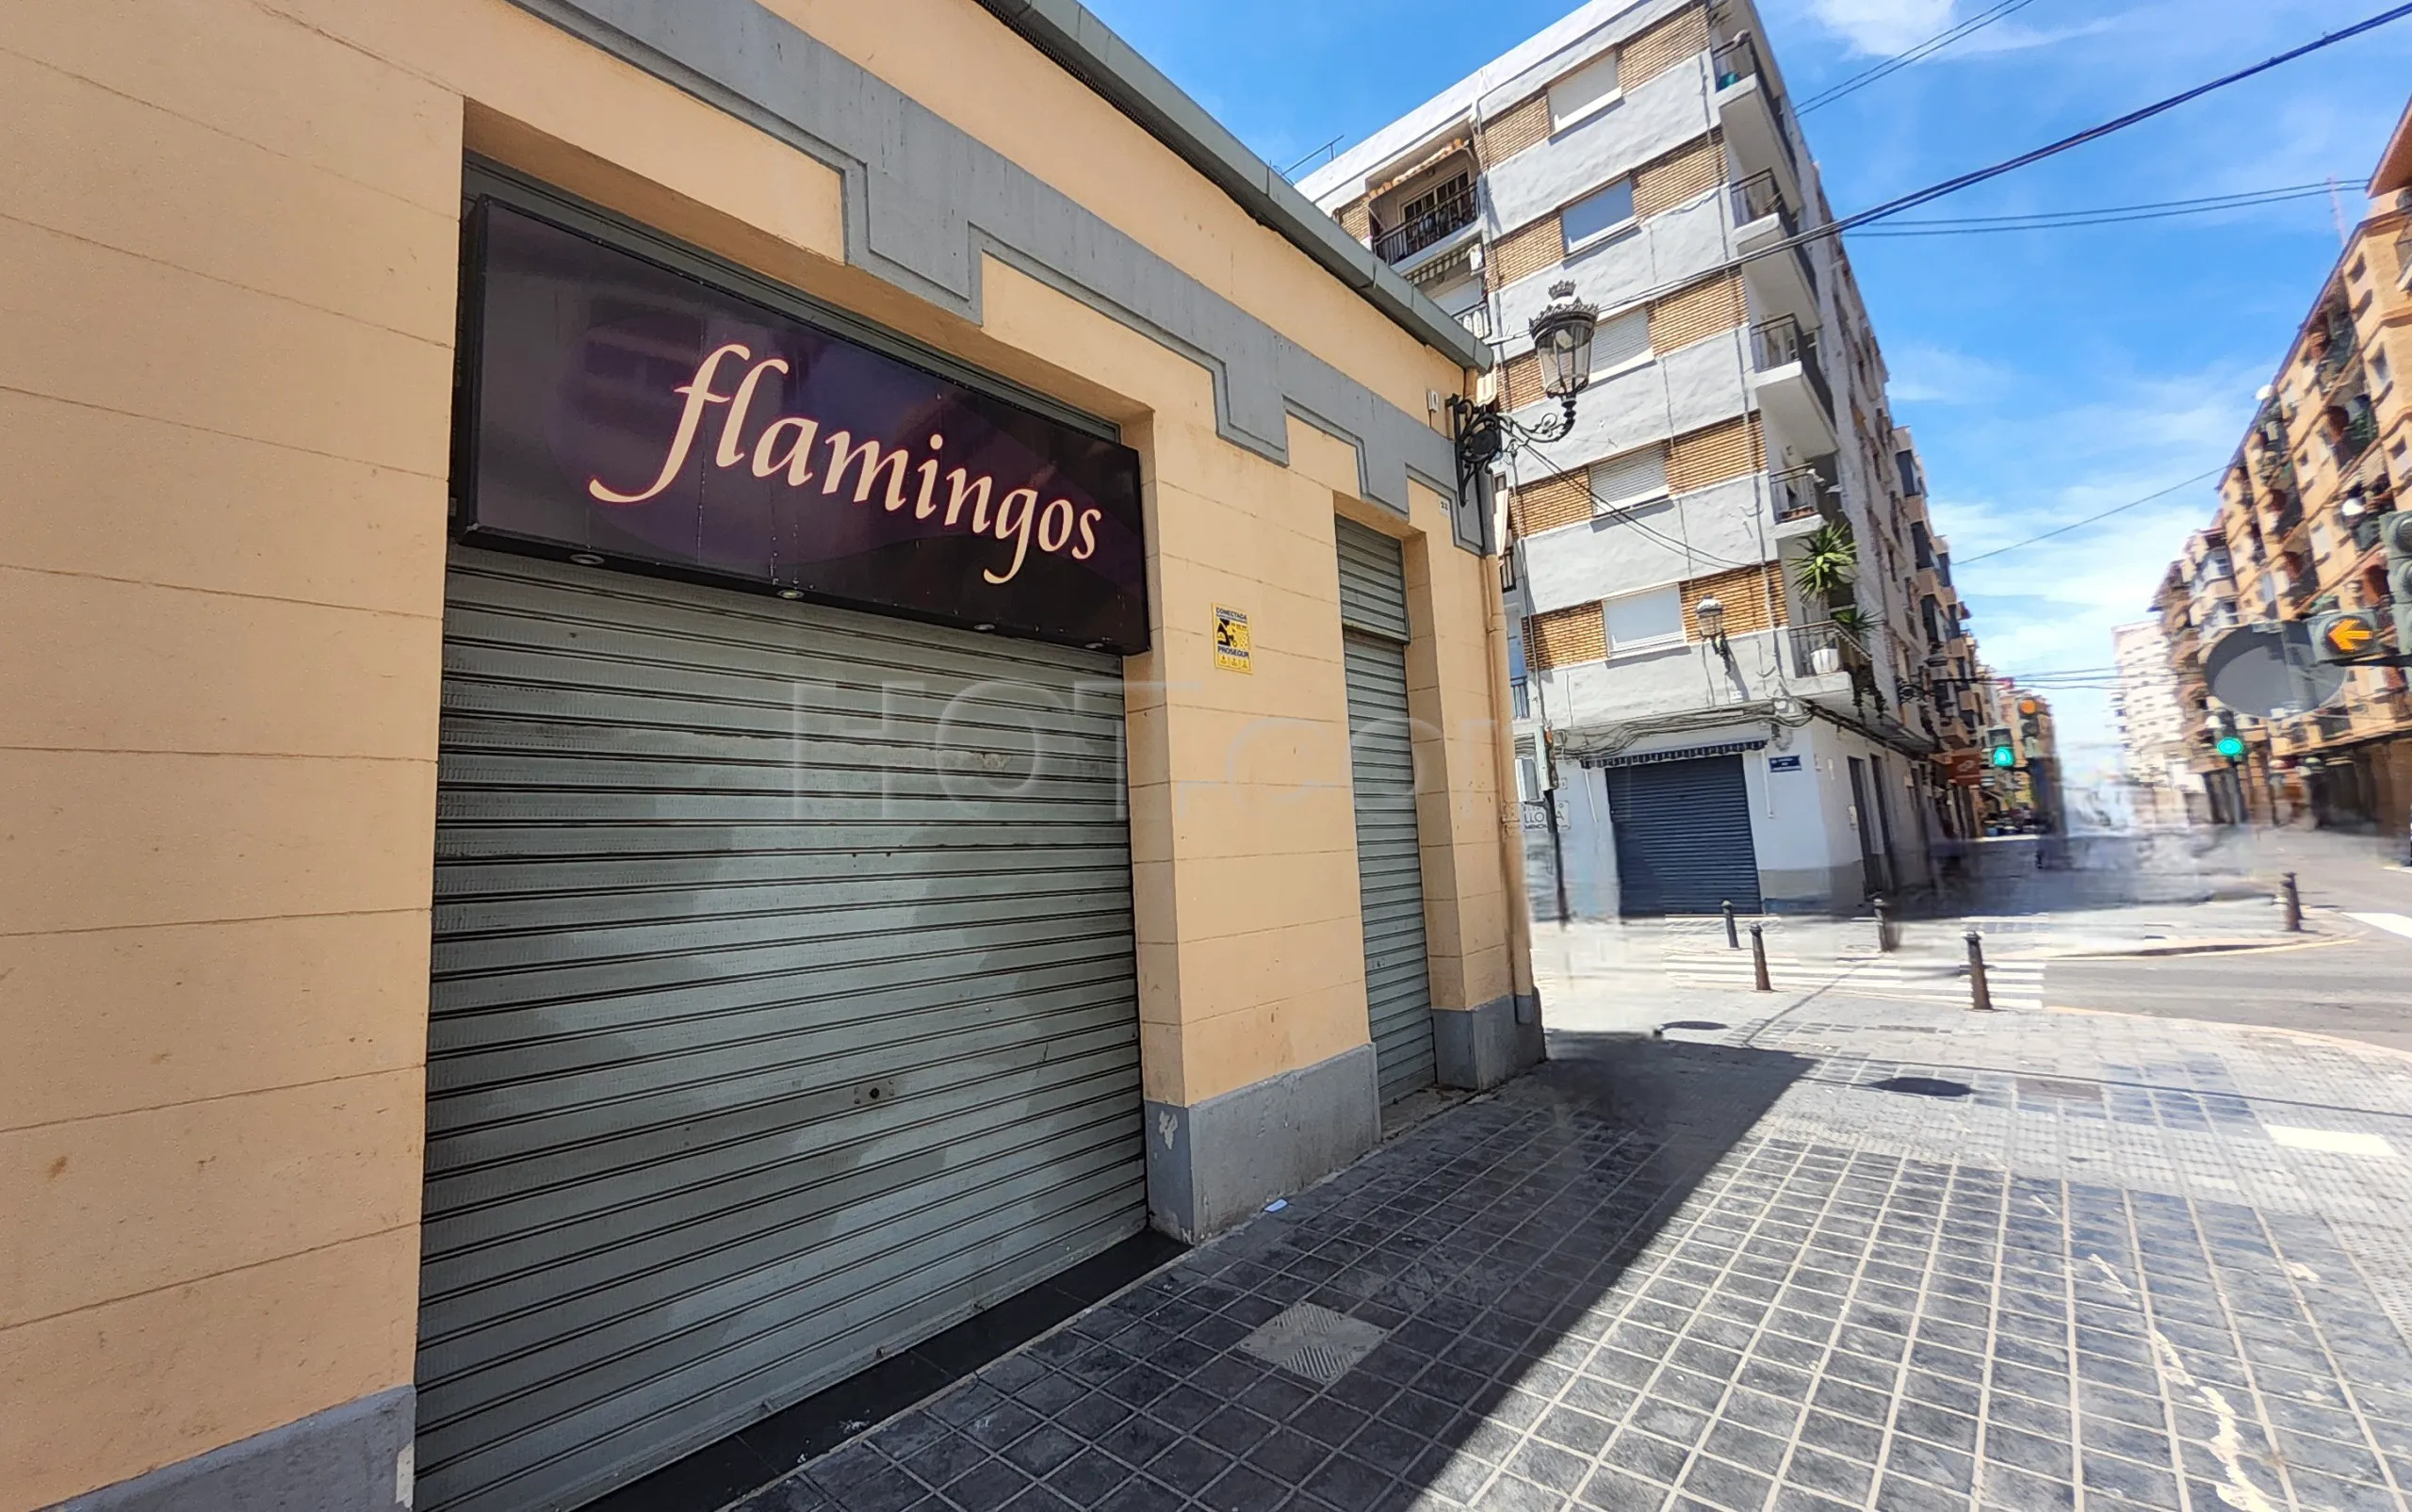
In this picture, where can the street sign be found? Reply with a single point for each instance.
(2346, 635)
(1964, 769)
(2230, 747)
(2271, 670)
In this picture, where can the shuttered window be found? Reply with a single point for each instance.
(1582, 91)
(1636, 477)
(1639, 621)
(1621, 343)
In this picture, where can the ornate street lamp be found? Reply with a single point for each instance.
(1709, 615)
(1563, 341)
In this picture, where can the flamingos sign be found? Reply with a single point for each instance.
(618, 407)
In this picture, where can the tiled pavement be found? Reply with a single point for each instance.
(1868, 1255)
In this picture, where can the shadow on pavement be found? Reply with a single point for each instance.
(1459, 1273)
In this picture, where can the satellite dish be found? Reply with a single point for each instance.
(2268, 669)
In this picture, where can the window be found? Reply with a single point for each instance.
(2319, 539)
(2378, 366)
(1594, 217)
(1636, 477)
(1621, 342)
(1639, 621)
(1585, 91)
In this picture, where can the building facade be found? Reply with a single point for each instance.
(1703, 723)
(2297, 535)
(691, 694)
(2152, 726)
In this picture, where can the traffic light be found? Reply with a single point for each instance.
(2030, 721)
(2005, 756)
(2347, 635)
(2230, 747)
(2395, 533)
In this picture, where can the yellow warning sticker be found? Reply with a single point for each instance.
(1231, 651)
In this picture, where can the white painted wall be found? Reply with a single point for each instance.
(1711, 529)
(1613, 275)
(1653, 118)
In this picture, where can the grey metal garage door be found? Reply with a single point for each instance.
(1683, 837)
(1390, 862)
(784, 1011)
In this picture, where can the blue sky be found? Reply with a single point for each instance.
(2048, 375)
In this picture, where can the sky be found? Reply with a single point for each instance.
(2047, 375)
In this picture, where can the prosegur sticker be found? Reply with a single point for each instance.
(1232, 649)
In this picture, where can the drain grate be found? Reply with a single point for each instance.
(1314, 1341)
(2046, 1086)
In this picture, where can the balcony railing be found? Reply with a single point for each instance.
(1758, 197)
(1822, 650)
(1780, 343)
(2356, 435)
(1799, 494)
(1435, 216)
(2365, 528)
(2302, 589)
(1737, 60)
(1476, 318)
(2290, 516)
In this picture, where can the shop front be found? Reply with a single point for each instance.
(750, 698)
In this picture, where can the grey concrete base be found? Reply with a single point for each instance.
(350, 1458)
(1812, 890)
(1215, 1163)
(1484, 1046)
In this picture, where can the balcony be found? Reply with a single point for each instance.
(2366, 529)
(1788, 383)
(1802, 498)
(1826, 651)
(1749, 111)
(1784, 283)
(2288, 519)
(1427, 221)
(2355, 426)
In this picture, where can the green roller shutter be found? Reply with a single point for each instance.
(1389, 862)
(784, 1011)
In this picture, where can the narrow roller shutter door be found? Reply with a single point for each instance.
(1683, 837)
(784, 1011)
(1390, 860)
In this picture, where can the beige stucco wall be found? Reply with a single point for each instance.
(227, 272)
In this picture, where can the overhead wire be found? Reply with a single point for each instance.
(2107, 215)
(2076, 525)
(1898, 62)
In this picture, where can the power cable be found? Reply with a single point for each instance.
(2116, 509)
(1623, 514)
(1901, 61)
(2108, 215)
(1953, 186)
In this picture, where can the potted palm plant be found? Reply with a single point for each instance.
(1829, 558)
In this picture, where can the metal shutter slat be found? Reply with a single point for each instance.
(703, 881)
(1683, 837)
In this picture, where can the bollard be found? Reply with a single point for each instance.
(2294, 906)
(1759, 961)
(1733, 941)
(1979, 996)
(1887, 939)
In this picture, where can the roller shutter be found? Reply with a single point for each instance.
(1389, 862)
(784, 1011)
(1683, 837)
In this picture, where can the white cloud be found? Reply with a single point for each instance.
(1919, 372)
(1878, 29)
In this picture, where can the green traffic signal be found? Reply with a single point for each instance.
(2230, 747)
(2005, 756)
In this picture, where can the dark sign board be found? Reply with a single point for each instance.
(1790, 763)
(622, 409)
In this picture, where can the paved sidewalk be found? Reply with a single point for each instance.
(1857, 1254)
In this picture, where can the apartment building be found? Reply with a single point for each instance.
(1734, 626)
(2297, 535)
(2152, 725)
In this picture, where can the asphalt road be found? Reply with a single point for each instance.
(2354, 981)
